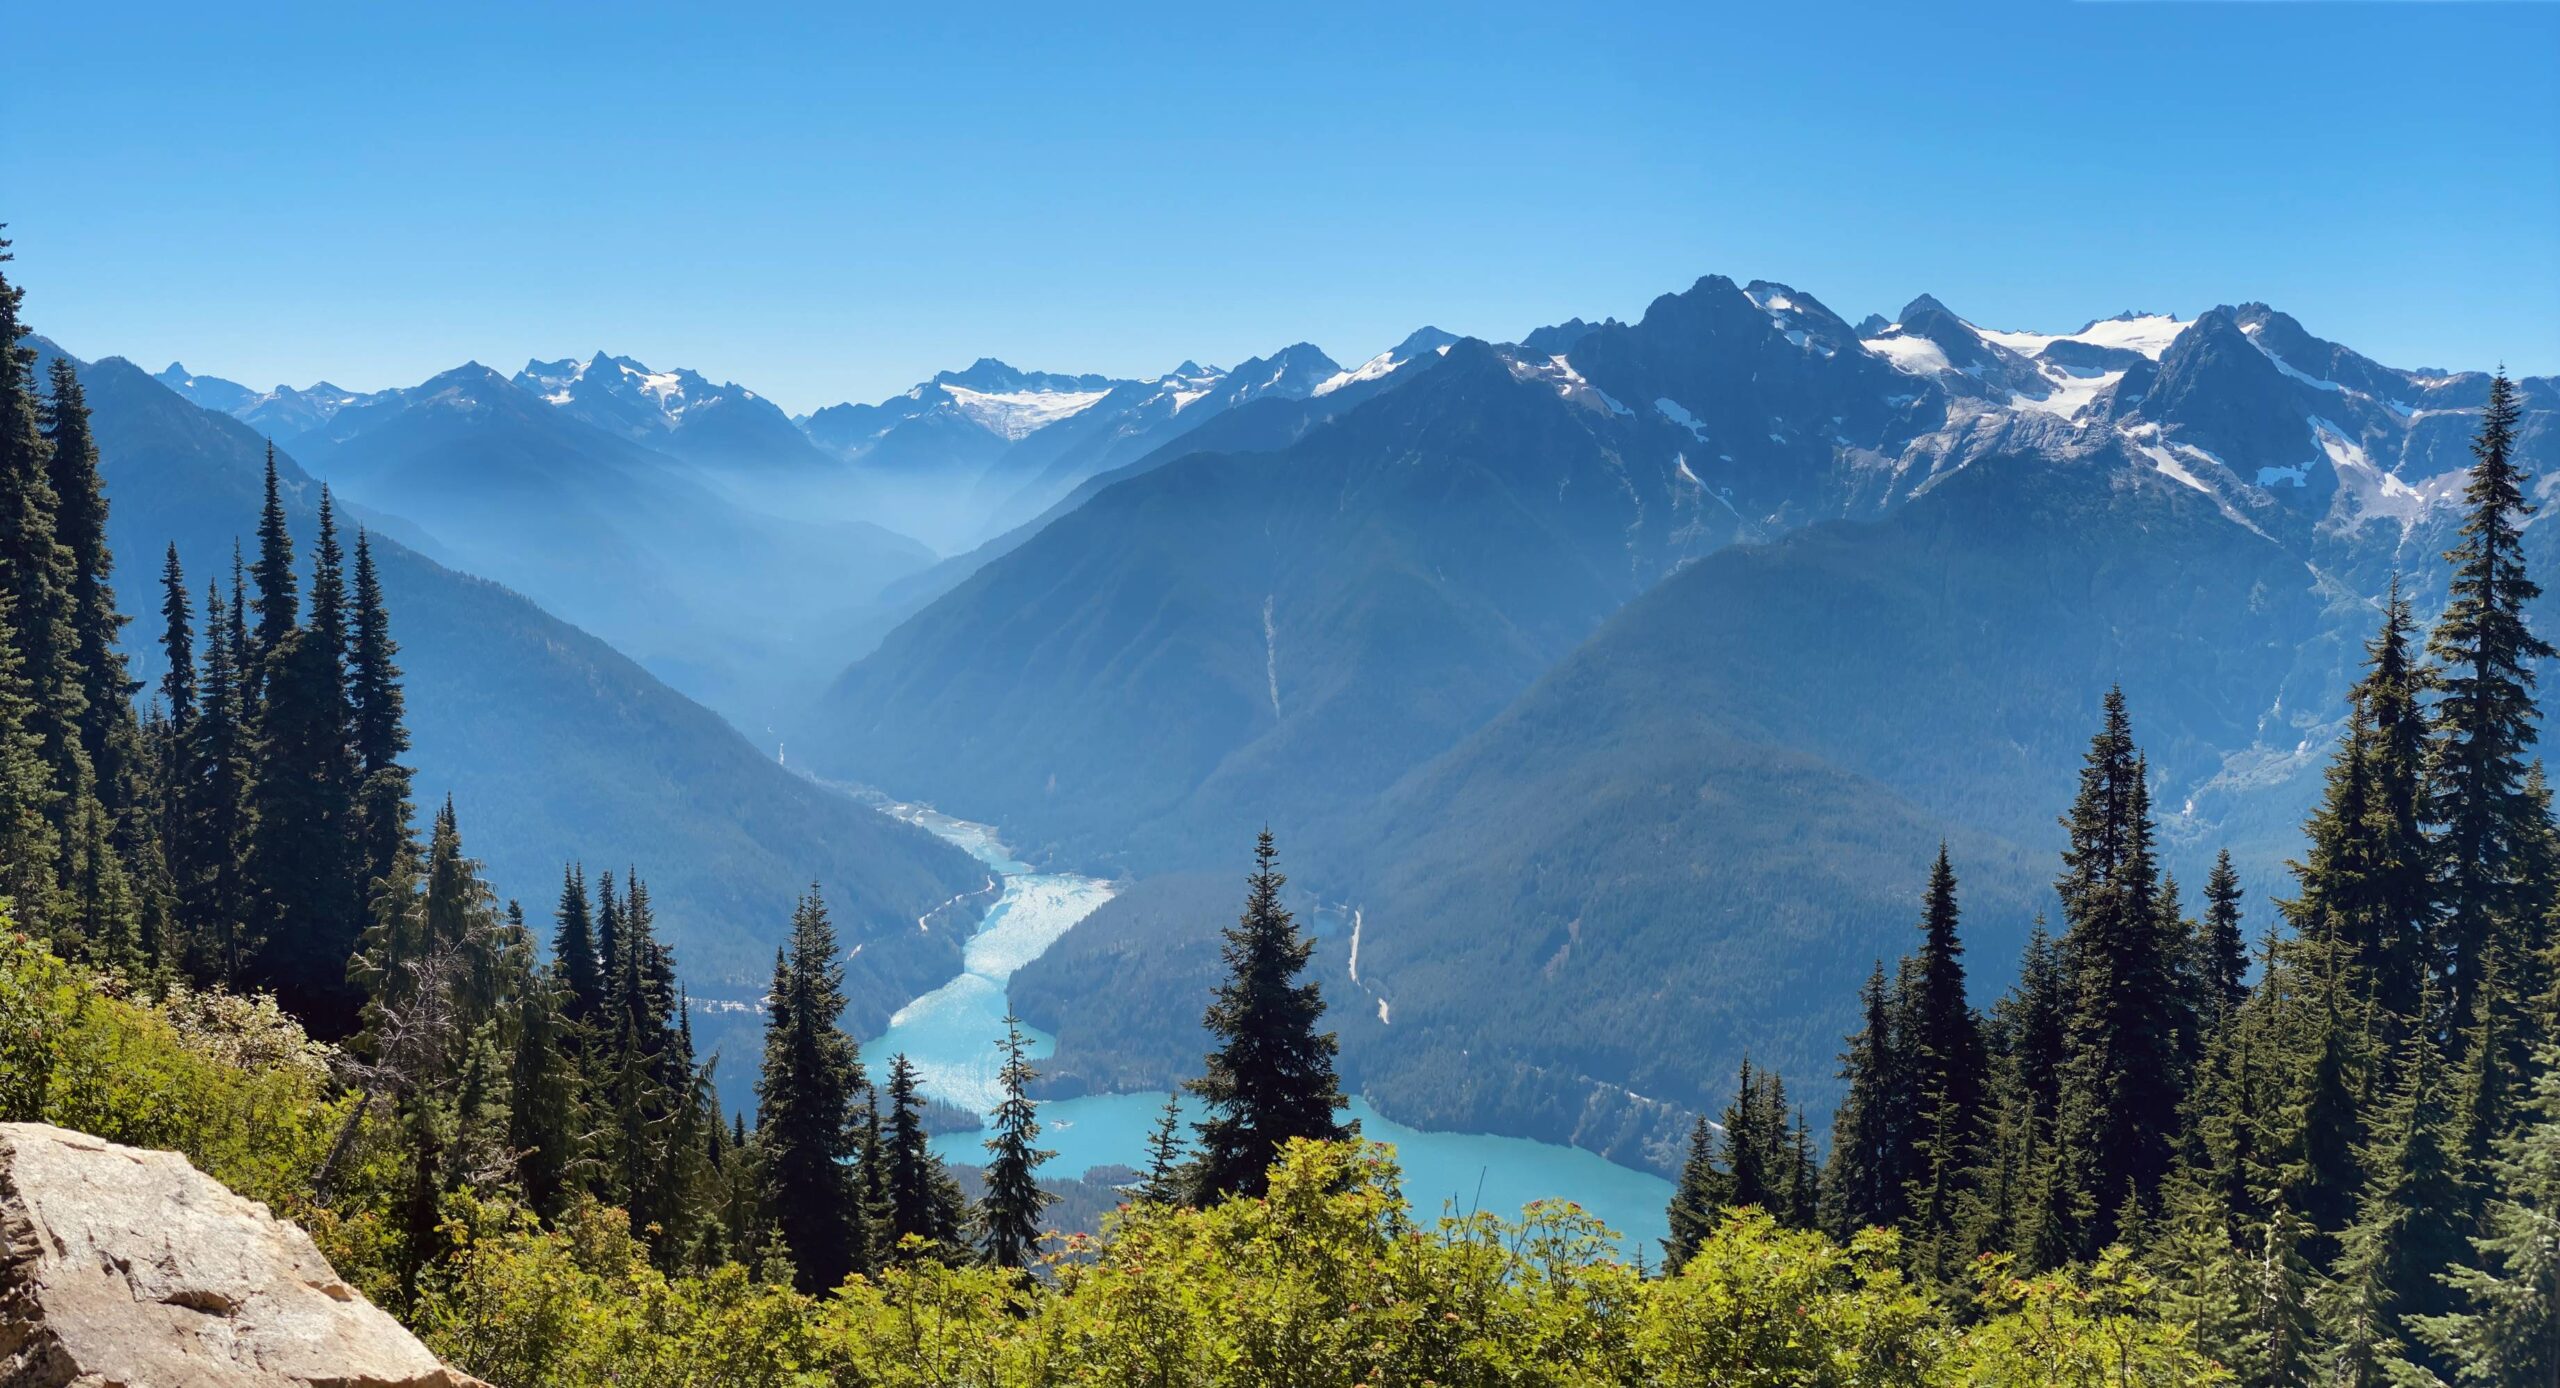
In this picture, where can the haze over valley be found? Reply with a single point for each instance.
(1506, 641)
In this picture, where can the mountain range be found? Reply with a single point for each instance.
(1519, 650)
(1513, 643)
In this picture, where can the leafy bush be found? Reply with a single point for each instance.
(232, 1083)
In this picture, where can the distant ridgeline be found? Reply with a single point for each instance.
(1621, 682)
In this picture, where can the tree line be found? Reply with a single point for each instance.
(2343, 1163)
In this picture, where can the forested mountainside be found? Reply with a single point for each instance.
(2019, 519)
(1616, 820)
(1321, 618)
(558, 747)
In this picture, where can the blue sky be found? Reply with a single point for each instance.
(826, 203)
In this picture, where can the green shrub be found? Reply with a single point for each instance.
(232, 1083)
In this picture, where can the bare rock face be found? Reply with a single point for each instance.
(124, 1268)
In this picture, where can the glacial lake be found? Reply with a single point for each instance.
(951, 1035)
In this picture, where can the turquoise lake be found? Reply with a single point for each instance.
(950, 1035)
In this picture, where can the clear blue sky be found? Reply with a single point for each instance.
(826, 204)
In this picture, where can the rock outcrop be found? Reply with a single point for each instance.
(125, 1268)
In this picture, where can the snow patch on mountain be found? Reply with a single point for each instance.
(2071, 391)
(2374, 491)
(1913, 356)
(2147, 333)
(1015, 414)
(1679, 414)
(1556, 371)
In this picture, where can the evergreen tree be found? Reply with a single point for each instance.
(1947, 1075)
(215, 906)
(573, 950)
(1865, 1183)
(2116, 1125)
(379, 734)
(2286, 1331)
(2484, 718)
(177, 646)
(2364, 885)
(2184, 967)
(2410, 1222)
(1271, 1078)
(2205, 1282)
(2320, 1123)
(36, 574)
(2034, 1019)
(545, 1119)
(2505, 1330)
(1697, 1202)
(1010, 1210)
(2222, 952)
(924, 1202)
(609, 951)
(174, 767)
(109, 733)
(301, 836)
(1767, 1164)
(1946, 1037)
(1803, 1175)
(805, 1097)
(279, 602)
(1165, 1181)
(871, 1171)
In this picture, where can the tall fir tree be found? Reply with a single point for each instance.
(2365, 882)
(2222, 952)
(36, 574)
(1697, 1201)
(546, 1110)
(573, 950)
(1947, 1071)
(177, 645)
(1271, 1078)
(1165, 1180)
(924, 1203)
(379, 729)
(1866, 1182)
(1945, 1035)
(805, 1114)
(871, 1177)
(109, 731)
(216, 909)
(302, 800)
(169, 746)
(2484, 652)
(279, 595)
(1009, 1212)
(2116, 1121)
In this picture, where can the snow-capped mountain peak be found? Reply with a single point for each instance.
(1424, 341)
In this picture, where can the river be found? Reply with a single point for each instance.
(950, 1035)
